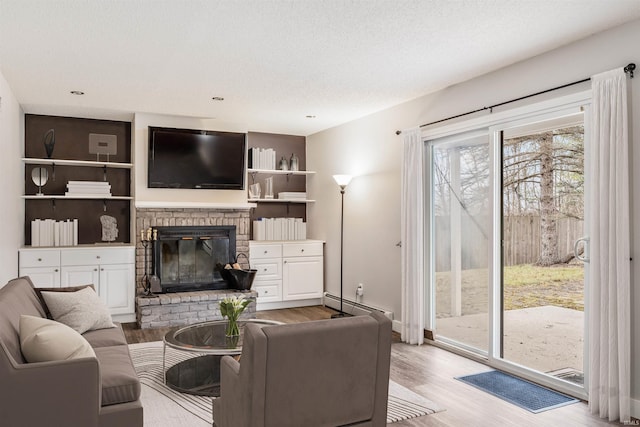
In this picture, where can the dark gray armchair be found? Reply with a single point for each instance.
(314, 374)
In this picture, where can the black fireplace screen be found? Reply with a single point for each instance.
(190, 258)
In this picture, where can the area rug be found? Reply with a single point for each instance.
(162, 404)
(529, 396)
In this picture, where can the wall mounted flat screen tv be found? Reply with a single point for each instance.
(202, 159)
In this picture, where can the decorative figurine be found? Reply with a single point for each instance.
(294, 163)
(39, 176)
(49, 141)
(284, 165)
(109, 228)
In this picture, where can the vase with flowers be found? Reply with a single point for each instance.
(231, 308)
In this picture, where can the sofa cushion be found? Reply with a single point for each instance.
(82, 310)
(17, 297)
(106, 337)
(39, 292)
(44, 340)
(120, 383)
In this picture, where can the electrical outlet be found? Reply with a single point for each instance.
(360, 290)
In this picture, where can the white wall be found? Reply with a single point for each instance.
(141, 122)
(12, 182)
(368, 147)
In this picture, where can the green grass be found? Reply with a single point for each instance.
(525, 286)
(529, 274)
(532, 286)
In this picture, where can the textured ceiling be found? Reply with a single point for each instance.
(274, 62)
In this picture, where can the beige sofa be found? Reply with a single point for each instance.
(102, 391)
(325, 373)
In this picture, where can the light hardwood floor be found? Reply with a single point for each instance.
(430, 371)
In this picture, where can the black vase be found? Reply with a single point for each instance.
(49, 142)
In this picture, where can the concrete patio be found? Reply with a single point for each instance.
(547, 338)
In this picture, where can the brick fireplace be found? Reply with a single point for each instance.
(183, 308)
(172, 217)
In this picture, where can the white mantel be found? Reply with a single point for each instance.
(142, 204)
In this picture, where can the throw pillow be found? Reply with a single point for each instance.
(39, 291)
(44, 340)
(82, 310)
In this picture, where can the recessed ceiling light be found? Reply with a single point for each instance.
(77, 92)
(217, 98)
(310, 116)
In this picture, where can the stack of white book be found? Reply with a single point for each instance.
(88, 189)
(49, 232)
(293, 195)
(279, 229)
(262, 158)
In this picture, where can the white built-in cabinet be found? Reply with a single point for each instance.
(289, 274)
(110, 269)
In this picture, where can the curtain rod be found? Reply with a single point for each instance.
(628, 69)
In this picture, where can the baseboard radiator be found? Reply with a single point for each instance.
(352, 307)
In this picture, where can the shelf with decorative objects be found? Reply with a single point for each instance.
(87, 163)
(280, 201)
(58, 197)
(288, 173)
(77, 169)
(279, 172)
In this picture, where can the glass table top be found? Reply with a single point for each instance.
(209, 337)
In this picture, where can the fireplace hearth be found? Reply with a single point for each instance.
(188, 258)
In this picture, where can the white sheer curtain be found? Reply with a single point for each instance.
(412, 235)
(609, 268)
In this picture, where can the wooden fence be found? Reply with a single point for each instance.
(521, 240)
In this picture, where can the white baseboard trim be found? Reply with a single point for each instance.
(352, 307)
(357, 308)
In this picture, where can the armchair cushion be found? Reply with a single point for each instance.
(44, 340)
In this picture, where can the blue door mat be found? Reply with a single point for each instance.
(524, 394)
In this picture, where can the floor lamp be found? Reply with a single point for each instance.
(342, 181)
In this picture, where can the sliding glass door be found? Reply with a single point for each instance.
(506, 213)
(460, 220)
(542, 218)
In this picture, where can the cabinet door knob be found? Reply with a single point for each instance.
(39, 259)
(285, 262)
(102, 269)
(98, 256)
(95, 269)
(266, 292)
(266, 252)
(56, 270)
(264, 269)
(301, 250)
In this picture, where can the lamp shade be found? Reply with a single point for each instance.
(342, 180)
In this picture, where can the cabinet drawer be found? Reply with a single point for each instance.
(268, 269)
(268, 291)
(97, 256)
(39, 259)
(302, 249)
(265, 251)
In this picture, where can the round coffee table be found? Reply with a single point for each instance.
(200, 375)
